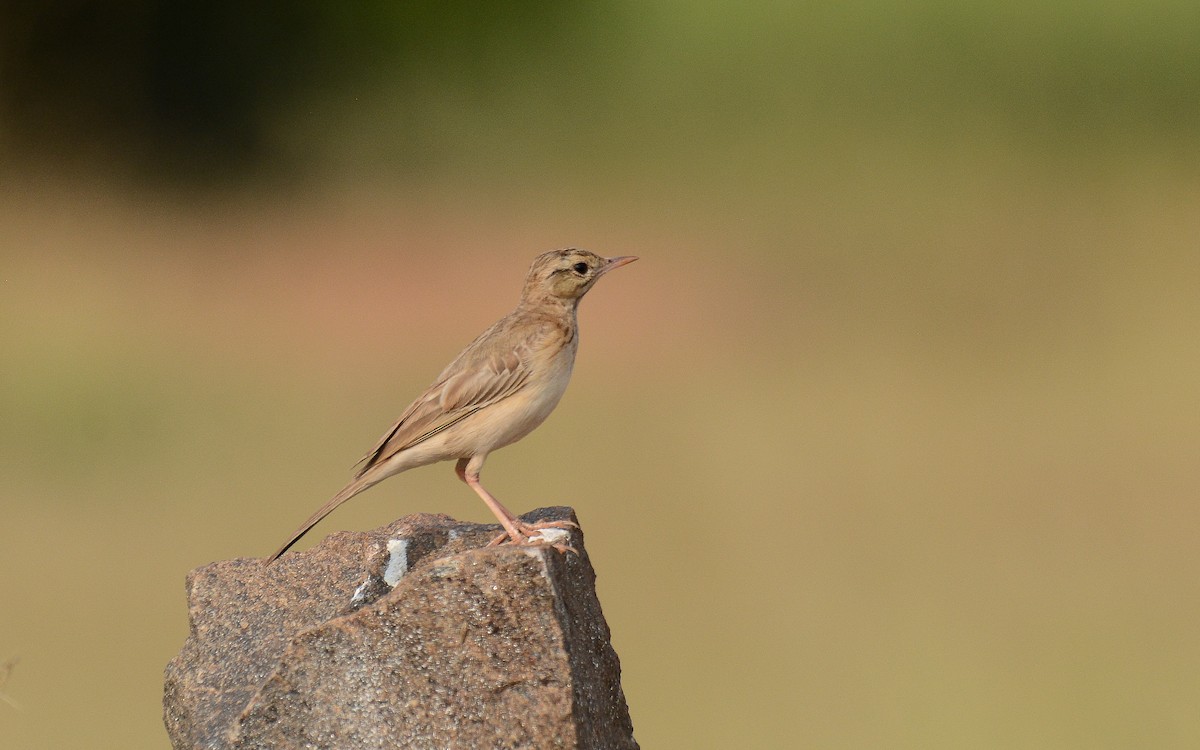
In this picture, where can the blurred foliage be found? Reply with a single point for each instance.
(195, 82)
(178, 88)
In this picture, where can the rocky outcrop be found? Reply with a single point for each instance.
(413, 635)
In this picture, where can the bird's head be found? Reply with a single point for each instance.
(568, 274)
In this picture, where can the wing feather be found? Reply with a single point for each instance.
(486, 372)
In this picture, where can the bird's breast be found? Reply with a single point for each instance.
(511, 419)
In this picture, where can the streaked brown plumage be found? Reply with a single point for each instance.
(501, 387)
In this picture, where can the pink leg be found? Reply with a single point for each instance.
(516, 530)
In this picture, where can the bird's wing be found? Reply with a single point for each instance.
(479, 377)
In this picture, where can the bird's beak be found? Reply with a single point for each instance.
(611, 263)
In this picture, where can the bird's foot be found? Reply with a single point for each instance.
(531, 535)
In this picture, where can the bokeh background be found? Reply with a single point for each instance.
(890, 439)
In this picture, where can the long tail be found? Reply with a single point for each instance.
(356, 486)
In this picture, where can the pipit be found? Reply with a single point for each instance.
(502, 386)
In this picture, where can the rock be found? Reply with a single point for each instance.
(413, 635)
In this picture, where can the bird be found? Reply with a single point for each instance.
(495, 392)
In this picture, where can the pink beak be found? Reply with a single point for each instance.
(612, 263)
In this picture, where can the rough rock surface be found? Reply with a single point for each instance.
(414, 635)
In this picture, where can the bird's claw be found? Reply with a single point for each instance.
(529, 535)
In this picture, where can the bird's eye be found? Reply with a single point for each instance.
(580, 268)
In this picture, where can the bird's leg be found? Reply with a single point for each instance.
(515, 530)
(504, 515)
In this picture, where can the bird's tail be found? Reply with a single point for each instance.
(356, 486)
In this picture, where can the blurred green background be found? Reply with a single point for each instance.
(890, 439)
